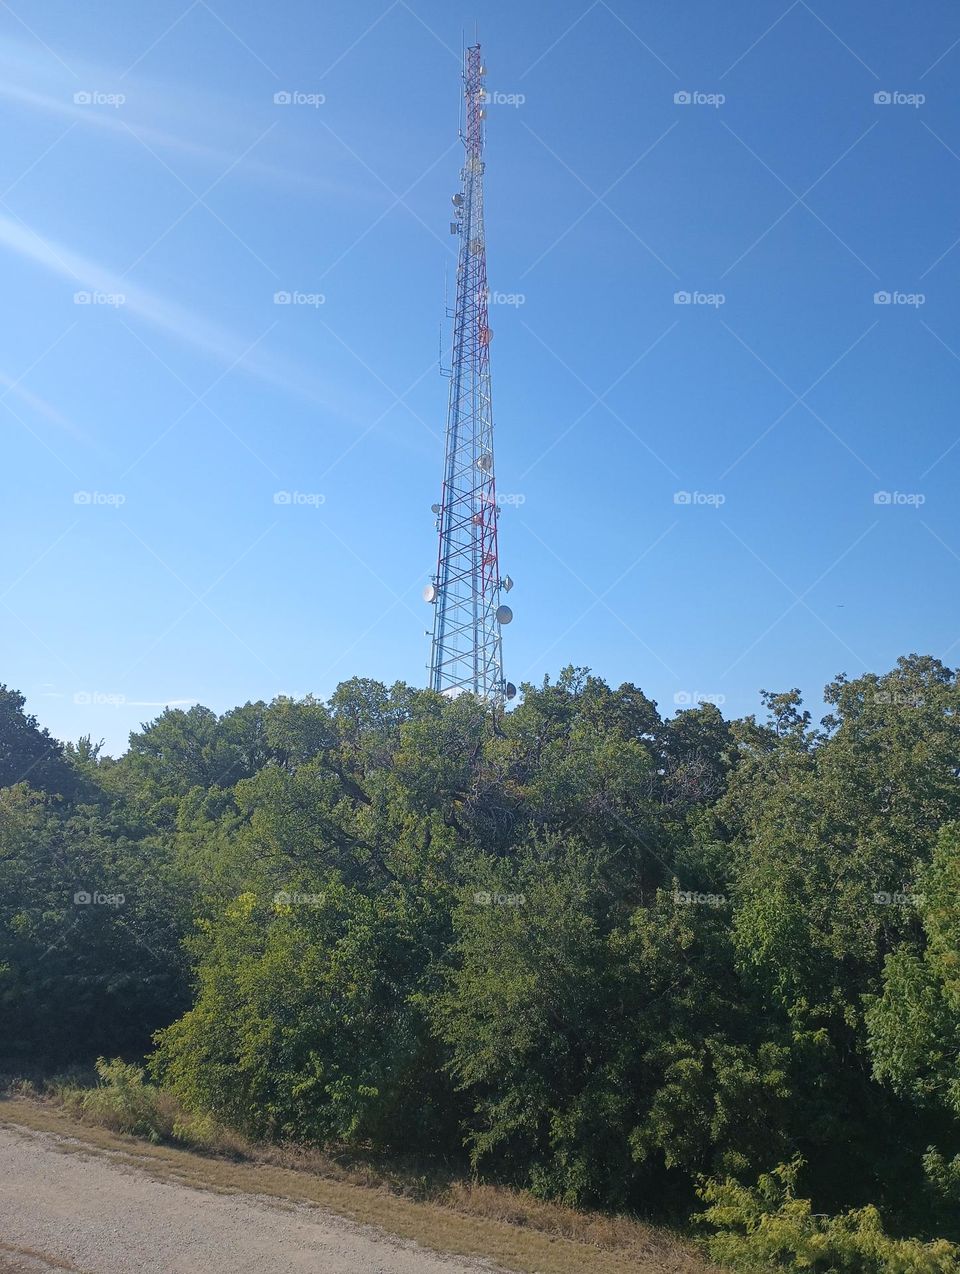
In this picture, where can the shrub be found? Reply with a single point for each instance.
(766, 1227)
(124, 1102)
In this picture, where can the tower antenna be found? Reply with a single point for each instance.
(467, 648)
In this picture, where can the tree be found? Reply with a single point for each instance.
(90, 939)
(915, 1023)
(27, 753)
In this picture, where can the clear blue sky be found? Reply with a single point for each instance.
(197, 198)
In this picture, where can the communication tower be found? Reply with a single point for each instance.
(467, 648)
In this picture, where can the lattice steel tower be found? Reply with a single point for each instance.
(467, 651)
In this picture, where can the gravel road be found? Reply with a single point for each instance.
(82, 1212)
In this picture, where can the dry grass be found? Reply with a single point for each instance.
(509, 1227)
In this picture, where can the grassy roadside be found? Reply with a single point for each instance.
(508, 1227)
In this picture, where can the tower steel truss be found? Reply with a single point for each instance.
(467, 651)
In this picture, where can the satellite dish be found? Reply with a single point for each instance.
(510, 691)
(485, 462)
(506, 583)
(430, 593)
(504, 615)
(435, 508)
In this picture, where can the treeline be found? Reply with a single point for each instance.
(593, 951)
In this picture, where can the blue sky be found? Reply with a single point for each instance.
(147, 429)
